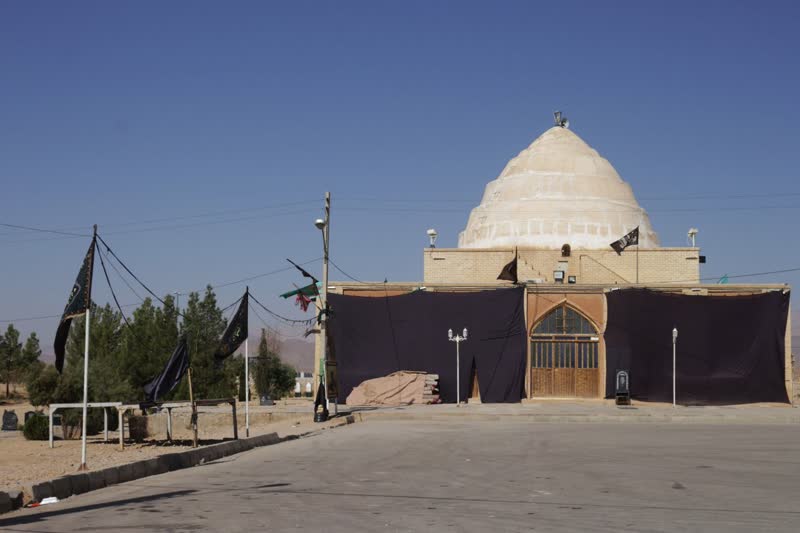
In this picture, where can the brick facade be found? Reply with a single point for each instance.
(593, 267)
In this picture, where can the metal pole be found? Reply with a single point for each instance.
(50, 416)
(105, 424)
(674, 343)
(194, 409)
(121, 426)
(458, 373)
(85, 389)
(246, 388)
(323, 329)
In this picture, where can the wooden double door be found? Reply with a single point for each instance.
(564, 355)
(564, 368)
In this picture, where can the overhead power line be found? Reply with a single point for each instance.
(343, 272)
(41, 230)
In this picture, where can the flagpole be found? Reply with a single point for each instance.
(194, 409)
(86, 374)
(637, 262)
(247, 381)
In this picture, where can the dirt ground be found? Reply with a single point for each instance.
(23, 461)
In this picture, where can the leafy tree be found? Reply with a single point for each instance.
(203, 324)
(11, 353)
(29, 365)
(146, 345)
(42, 387)
(273, 377)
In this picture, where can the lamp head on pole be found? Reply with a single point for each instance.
(465, 334)
(449, 333)
(320, 224)
(674, 334)
(432, 234)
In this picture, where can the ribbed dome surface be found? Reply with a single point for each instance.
(557, 191)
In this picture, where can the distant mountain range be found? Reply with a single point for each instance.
(299, 353)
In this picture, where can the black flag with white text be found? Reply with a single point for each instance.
(80, 299)
(628, 240)
(235, 333)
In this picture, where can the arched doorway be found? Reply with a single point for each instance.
(564, 355)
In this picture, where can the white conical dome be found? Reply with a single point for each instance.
(557, 191)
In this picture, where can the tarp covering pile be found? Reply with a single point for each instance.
(375, 336)
(730, 349)
(398, 388)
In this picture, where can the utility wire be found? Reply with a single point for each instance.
(270, 273)
(264, 322)
(343, 272)
(276, 315)
(128, 270)
(113, 294)
(119, 274)
(42, 230)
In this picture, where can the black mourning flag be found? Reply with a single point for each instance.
(304, 272)
(509, 272)
(80, 299)
(320, 402)
(235, 333)
(173, 372)
(628, 240)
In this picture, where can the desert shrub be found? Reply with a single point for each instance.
(72, 422)
(36, 428)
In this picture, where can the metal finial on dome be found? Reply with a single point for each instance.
(561, 120)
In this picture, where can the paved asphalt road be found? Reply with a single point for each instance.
(467, 476)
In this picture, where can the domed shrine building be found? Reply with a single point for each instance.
(554, 310)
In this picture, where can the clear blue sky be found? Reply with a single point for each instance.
(116, 113)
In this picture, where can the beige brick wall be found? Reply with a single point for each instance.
(659, 265)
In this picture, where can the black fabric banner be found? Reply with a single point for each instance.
(80, 299)
(235, 333)
(374, 336)
(509, 272)
(304, 272)
(730, 349)
(173, 372)
(628, 240)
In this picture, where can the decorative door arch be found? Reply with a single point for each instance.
(564, 355)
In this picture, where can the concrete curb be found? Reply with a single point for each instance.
(580, 418)
(73, 484)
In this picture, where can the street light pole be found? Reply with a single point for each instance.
(324, 225)
(458, 339)
(247, 376)
(674, 343)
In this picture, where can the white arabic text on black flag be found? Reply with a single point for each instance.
(628, 240)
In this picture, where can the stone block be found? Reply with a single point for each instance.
(139, 469)
(111, 475)
(125, 473)
(97, 479)
(62, 487)
(188, 458)
(170, 461)
(212, 453)
(17, 498)
(6, 504)
(79, 482)
(154, 466)
(38, 491)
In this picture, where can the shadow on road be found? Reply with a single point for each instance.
(37, 517)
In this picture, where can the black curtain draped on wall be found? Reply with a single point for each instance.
(375, 336)
(730, 349)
